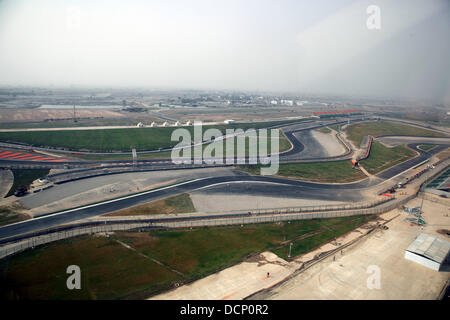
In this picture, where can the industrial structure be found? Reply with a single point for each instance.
(429, 251)
(330, 114)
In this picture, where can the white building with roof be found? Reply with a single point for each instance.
(429, 251)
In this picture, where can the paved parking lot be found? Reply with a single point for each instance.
(346, 277)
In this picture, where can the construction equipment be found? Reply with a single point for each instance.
(417, 221)
(412, 210)
(391, 190)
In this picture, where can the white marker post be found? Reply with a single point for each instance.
(133, 151)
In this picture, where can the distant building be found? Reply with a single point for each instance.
(153, 124)
(165, 124)
(140, 125)
(229, 121)
(287, 102)
(188, 123)
(176, 124)
(330, 114)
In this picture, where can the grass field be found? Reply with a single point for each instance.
(12, 213)
(24, 177)
(443, 154)
(283, 144)
(108, 271)
(432, 117)
(382, 157)
(333, 171)
(356, 132)
(330, 230)
(426, 147)
(324, 130)
(181, 203)
(111, 271)
(336, 127)
(108, 140)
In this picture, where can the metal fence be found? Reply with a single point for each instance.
(33, 242)
(318, 208)
(273, 217)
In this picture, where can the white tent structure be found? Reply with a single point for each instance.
(429, 251)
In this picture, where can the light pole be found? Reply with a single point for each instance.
(290, 249)
(423, 194)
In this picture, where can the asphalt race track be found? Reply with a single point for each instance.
(344, 192)
(261, 184)
(289, 130)
(332, 190)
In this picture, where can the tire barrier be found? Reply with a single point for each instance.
(368, 148)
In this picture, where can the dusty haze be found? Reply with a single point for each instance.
(300, 46)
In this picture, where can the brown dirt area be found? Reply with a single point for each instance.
(443, 154)
(163, 206)
(12, 211)
(7, 115)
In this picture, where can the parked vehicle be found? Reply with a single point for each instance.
(21, 191)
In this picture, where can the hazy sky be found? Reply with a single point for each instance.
(321, 46)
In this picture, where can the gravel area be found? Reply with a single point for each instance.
(210, 203)
(331, 145)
